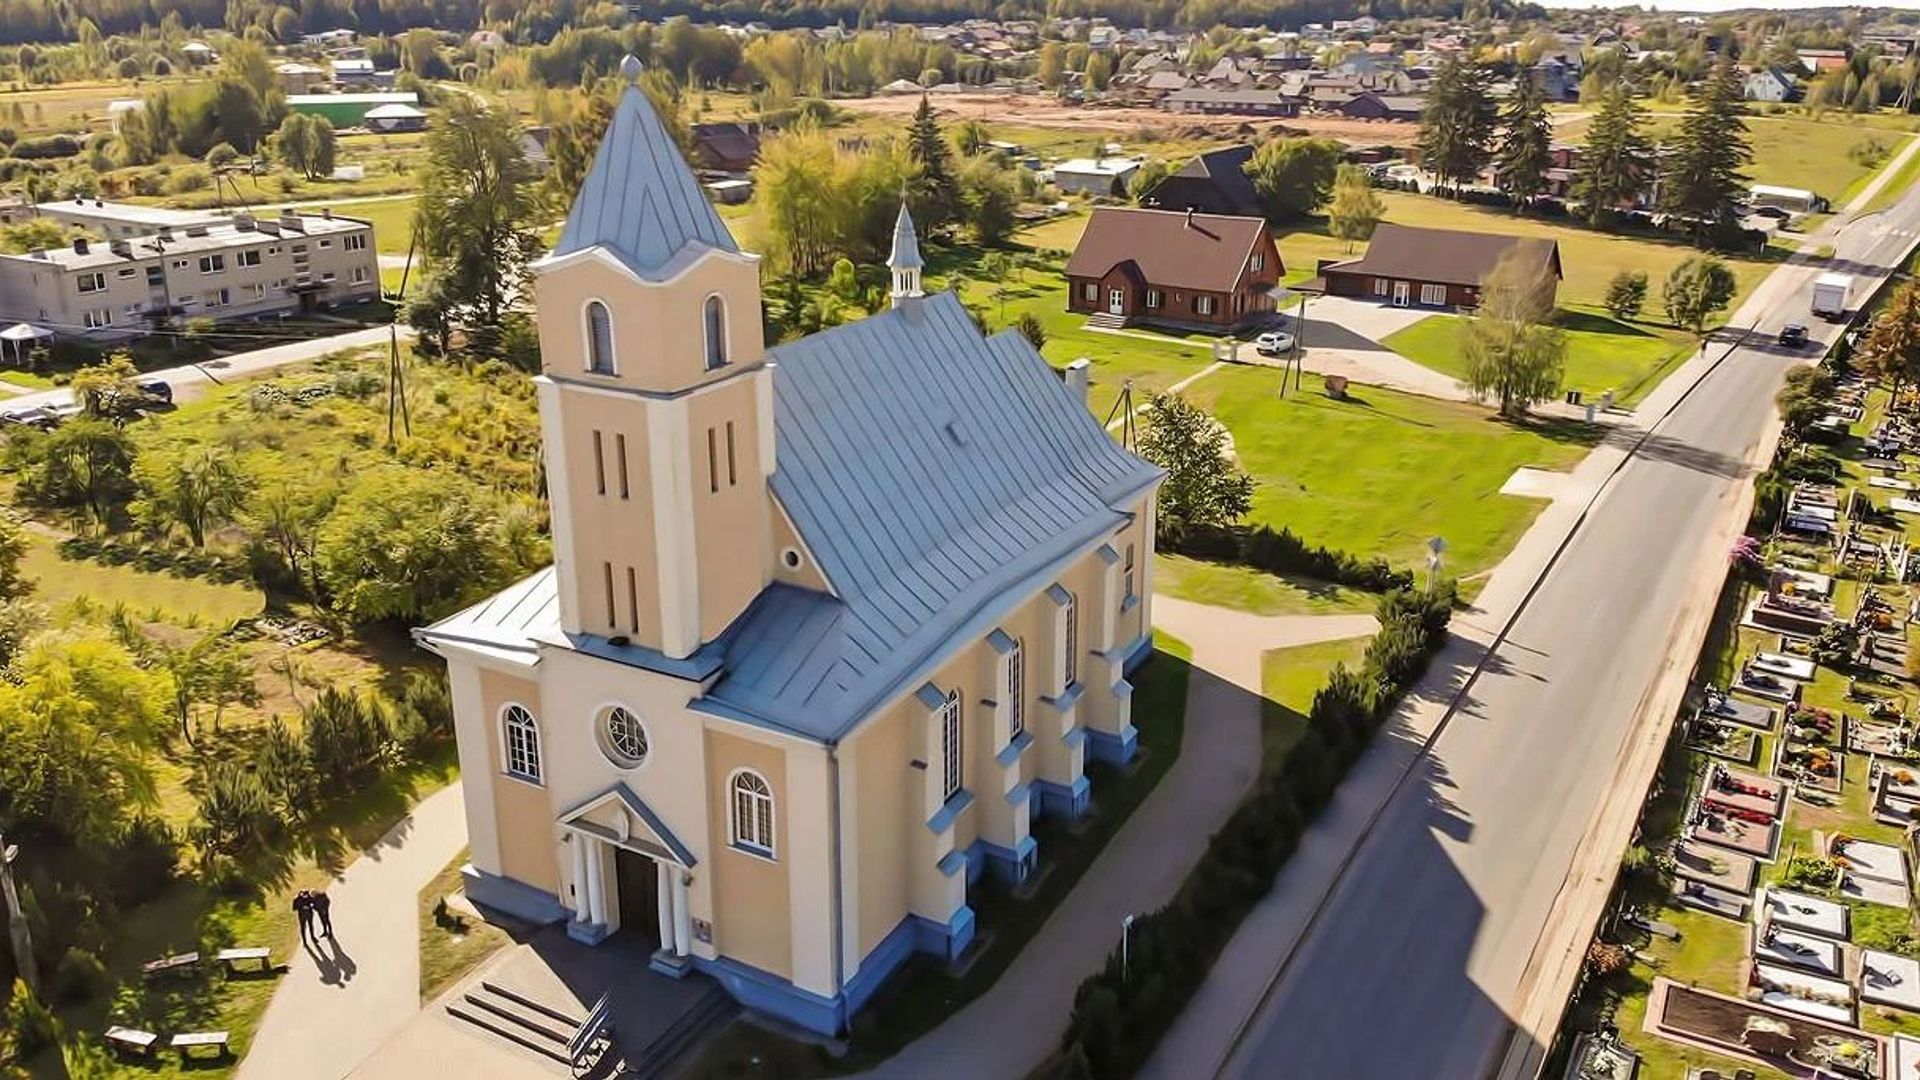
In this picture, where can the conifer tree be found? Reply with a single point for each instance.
(1456, 130)
(1526, 145)
(1616, 158)
(1703, 181)
(939, 202)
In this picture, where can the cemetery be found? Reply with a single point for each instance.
(1770, 930)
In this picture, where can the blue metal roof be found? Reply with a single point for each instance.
(640, 200)
(937, 476)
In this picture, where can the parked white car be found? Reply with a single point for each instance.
(1273, 343)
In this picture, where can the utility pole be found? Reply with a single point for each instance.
(17, 919)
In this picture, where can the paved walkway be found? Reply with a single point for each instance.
(1017, 1023)
(338, 1003)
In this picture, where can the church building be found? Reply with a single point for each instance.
(829, 623)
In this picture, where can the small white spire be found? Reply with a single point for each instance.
(904, 260)
(630, 68)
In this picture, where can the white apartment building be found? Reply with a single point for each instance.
(237, 268)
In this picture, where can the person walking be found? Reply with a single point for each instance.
(303, 909)
(323, 907)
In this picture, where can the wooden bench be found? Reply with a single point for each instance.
(189, 1041)
(175, 964)
(232, 957)
(131, 1039)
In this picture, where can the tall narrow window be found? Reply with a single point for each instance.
(633, 602)
(733, 476)
(599, 464)
(713, 462)
(1017, 688)
(522, 743)
(950, 745)
(599, 339)
(1128, 592)
(620, 452)
(612, 618)
(752, 813)
(1069, 655)
(716, 333)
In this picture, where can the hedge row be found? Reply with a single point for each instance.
(1284, 553)
(1119, 1018)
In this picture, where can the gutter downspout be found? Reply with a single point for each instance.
(839, 899)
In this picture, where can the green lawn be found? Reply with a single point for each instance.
(392, 220)
(1289, 678)
(1244, 588)
(1793, 150)
(1602, 354)
(58, 580)
(1896, 185)
(452, 943)
(1380, 473)
(1589, 258)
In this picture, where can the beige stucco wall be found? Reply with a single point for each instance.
(523, 812)
(608, 527)
(658, 328)
(888, 828)
(733, 536)
(751, 921)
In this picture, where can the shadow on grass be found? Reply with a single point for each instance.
(1558, 429)
(1587, 322)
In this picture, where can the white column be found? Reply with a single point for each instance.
(682, 917)
(596, 886)
(579, 846)
(665, 874)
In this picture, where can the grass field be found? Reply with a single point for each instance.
(1589, 258)
(1602, 354)
(392, 219)
(59, 580)
(47, 109)
(1289, 678)
(452, 942)
(1896, 185)
(1382, 472)
(1246, 589)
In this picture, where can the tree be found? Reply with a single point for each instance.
(85, 464)
(1456, 128)
(1627, 294)
(1703, 180)
(403, 544)
(1513, 352)
(1526, 144)
(1696, 290)
(13, 548)
(238, 114)
(991, 197)
(1099, 72)
(35, 233)
(1616, 160)
(1030, 327)
(1803, 400)
(939, 203)
(1292, 176)
(306, 144)
(1356, 208)
(286, 512)
(197, 489)
(973, 137)
(1052, 64)
(1148, 178)
(1892, 346)
(109, 389)
(477, 219)
(572, 144)
(1204, 486)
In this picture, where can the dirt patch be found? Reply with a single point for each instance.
(1048, 112)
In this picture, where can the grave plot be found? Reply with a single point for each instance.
(1802, 992)
(1751, 838)
(1896, 795)
(1780, 947)
(1906, 1058)
(1715, 866)
(1809, 750)
(1808, 914)
(1787, 1040)
(1875, 873)
(1881, 739)
(1719, 706)
(1710, 899)
(1782, 666)
(1746, 794)
(1723, 739)
(1792, 606)
(1887, 979)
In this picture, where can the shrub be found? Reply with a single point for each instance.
(78, 977)
(236, 815)
(144, 861)
(33, 1026)
(1284, 553)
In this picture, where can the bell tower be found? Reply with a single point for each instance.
(904, 259)
(656, 400)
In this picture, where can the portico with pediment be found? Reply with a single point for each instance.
(615, 826)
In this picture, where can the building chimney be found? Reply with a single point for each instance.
(79, 245)
(1189, 217)
(1079, 375)
(121, 248)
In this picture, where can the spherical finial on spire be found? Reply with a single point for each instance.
(630, 68)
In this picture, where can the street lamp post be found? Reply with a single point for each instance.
(1436, 550)
(1126, 932)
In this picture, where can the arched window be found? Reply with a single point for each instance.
(1017, 688)
(599, 338)
(950, 746)
(523, 743)
(752, 813)
(716, 316)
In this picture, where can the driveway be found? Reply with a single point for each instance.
(1335, 321)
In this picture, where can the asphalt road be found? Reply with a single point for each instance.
(1417, 967)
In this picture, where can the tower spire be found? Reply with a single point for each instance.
(904, 260)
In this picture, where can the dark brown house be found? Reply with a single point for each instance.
(1215, 182)
(726, 147)
(1407, 266)
(1174, 268)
